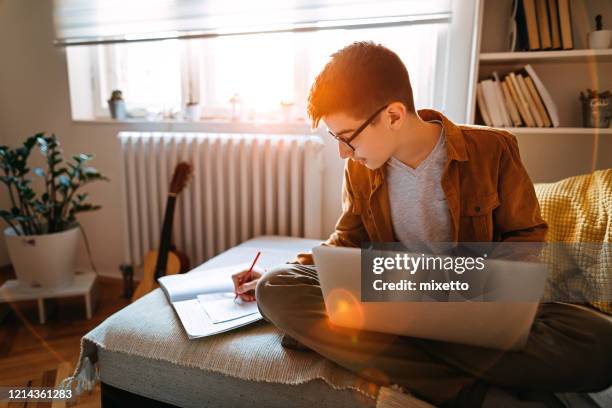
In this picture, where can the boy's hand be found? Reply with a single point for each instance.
(245, 288)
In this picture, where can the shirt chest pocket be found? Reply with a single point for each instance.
(477, 217)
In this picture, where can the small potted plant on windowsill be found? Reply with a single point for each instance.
(42, 236)
(192, 111)
(116, 105)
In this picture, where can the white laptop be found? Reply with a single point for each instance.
(498, 325)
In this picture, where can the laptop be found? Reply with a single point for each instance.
(494, 324)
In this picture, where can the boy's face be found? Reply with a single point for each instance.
(373, 146)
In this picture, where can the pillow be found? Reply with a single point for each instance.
(579, 210)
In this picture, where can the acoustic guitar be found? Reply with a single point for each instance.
(166, 260)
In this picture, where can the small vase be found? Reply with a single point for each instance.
(43, 261)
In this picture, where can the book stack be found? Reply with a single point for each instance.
(543, 25)
(518, 100)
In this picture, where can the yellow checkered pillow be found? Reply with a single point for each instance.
(579, 210)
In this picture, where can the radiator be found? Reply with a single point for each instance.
(243, 186)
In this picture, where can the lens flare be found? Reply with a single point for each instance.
(344, 309)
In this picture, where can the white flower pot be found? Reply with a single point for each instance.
(43, 261)
(193, 112)
(600, 40)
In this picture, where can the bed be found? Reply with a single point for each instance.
(141, 355)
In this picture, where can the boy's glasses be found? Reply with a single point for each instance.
(347, 142)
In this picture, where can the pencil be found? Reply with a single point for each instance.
(248, 274)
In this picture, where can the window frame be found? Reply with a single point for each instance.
(444, 80)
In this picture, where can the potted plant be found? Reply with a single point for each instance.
(192, 111)
(192, 107)
(116, 105)
(599, 39)
(42, 236)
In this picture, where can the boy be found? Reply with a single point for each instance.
(418, 177)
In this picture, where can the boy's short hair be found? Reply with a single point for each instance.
(359, 79)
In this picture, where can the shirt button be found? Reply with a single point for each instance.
(477, 209)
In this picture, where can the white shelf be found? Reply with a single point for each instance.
(547, 56)
(559, 131)
(548, 153)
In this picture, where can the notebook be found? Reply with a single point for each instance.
(204, 301)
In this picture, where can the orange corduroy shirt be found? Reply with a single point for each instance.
(489, 193)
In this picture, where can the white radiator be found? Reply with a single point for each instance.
(243, 186)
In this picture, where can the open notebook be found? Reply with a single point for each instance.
(204, 301)
(213, 281)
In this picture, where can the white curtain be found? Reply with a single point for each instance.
(80, 22)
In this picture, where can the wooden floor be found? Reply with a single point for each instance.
(28, 349)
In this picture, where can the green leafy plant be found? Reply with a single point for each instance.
(55, 209)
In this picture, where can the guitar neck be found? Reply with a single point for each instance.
(164, 240)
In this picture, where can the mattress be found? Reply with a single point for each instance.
(194, 387)
(143, 349)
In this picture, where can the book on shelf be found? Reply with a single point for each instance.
(511, 105)
(505, 116)
(565, 23)
(522, 100)
(481, 104)
(491, 103)
(538, 101)
(542, 25)
(555, 33)
(501, 100)
(527, 26)
(551, 107)
(530, 102)
(518, 99)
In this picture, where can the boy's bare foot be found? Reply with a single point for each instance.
(291, 343)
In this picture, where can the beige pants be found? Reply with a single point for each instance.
(569, 349)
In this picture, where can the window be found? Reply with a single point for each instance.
(256, 77)
(147, 73)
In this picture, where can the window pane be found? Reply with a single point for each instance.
(147, 73)
(267, 69)
(260, 69)
(407, 41)
(264, 71)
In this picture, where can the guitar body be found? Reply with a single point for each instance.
(183, 258)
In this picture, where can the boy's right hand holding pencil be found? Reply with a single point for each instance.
(245, 281)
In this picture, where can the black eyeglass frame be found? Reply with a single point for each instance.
(347, 142)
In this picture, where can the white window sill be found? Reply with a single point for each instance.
(217, 125)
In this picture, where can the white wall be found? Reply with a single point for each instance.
(34, 96)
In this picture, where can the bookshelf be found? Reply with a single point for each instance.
(550, 153)
(547, 56)
(559, 131)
